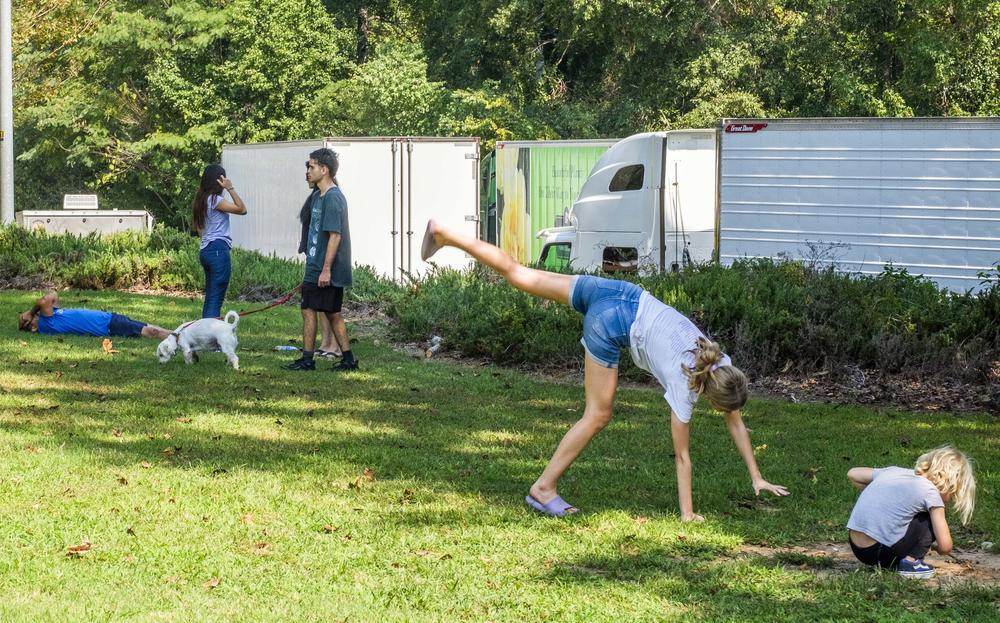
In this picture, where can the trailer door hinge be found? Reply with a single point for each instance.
(472, 156)
(471, 217)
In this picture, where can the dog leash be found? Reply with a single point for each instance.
(280, 301)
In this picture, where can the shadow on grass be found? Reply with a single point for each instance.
(482, 432)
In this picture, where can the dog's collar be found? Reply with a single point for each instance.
(177, 333)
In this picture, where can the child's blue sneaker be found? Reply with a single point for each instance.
(917, 569)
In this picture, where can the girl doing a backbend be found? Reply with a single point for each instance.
(618, 314)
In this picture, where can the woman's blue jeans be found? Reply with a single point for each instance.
(218, 268)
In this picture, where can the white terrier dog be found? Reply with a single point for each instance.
(202, 335)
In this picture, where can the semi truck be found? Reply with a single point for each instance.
(393, 186)
(921, 194)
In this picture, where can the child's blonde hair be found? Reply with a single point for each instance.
(951, 472)
(725, 387)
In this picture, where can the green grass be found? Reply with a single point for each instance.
(181, 475)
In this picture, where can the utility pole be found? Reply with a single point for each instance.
(6, 115)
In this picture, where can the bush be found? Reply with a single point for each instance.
(769, 315)
(163, 259)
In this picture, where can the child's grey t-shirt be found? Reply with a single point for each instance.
(888, 504)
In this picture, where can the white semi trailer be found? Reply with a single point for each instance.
(393, 186)
(921, 194)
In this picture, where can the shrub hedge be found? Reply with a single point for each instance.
(163, 259)
(770, 315)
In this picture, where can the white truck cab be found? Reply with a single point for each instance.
(649, 204)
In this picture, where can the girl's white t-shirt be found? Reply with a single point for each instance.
(661, 339)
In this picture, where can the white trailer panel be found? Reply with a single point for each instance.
(392, 185)
(921, 194)
(271, 179)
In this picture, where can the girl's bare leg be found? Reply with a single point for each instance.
(552, 286)
(599, 385)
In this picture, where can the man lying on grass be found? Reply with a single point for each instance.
(47, 318)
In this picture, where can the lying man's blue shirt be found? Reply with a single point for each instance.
(75, 321)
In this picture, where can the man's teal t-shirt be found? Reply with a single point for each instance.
(75, 321)
(329, 214)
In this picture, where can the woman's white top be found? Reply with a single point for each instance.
(660, 340)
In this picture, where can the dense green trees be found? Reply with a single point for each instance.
(132, 98)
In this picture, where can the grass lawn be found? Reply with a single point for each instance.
(395, 493)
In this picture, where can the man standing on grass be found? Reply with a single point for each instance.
(328, 262)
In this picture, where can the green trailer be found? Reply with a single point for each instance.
(527, 185)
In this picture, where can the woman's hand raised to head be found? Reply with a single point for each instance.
(225, 182)
(763, 485)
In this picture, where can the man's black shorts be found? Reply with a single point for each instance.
(328, 299)
(123, 326)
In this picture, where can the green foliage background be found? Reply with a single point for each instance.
(132, 98)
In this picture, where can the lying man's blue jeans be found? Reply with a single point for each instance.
(218, 268)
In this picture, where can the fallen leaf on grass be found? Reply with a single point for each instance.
(168, 452)
(58, 375)
(329, 529)
(117, 433)
(213, 583)
(810, 474)
(22, 343)
(262, 548)
(368, 474)
(247, 519)
(34, 450)
(641, 520)
(426, 553)
(122, 480)
(108, 346)
(78, 550)
(183, 420)
(145, 465)
(130, 531)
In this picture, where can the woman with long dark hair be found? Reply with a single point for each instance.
(214, 201)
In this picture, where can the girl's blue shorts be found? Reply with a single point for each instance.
(609, 307)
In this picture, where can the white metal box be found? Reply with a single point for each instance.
(85, 221)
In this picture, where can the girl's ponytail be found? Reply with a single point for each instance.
(724, 386)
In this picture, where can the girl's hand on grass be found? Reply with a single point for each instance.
(692, 517)
(763, 485)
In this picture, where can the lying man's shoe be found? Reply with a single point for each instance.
(345, 365)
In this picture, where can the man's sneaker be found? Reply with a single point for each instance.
(345, 365)
(915, 569)
(300, 364)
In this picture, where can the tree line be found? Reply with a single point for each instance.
(130, 98)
